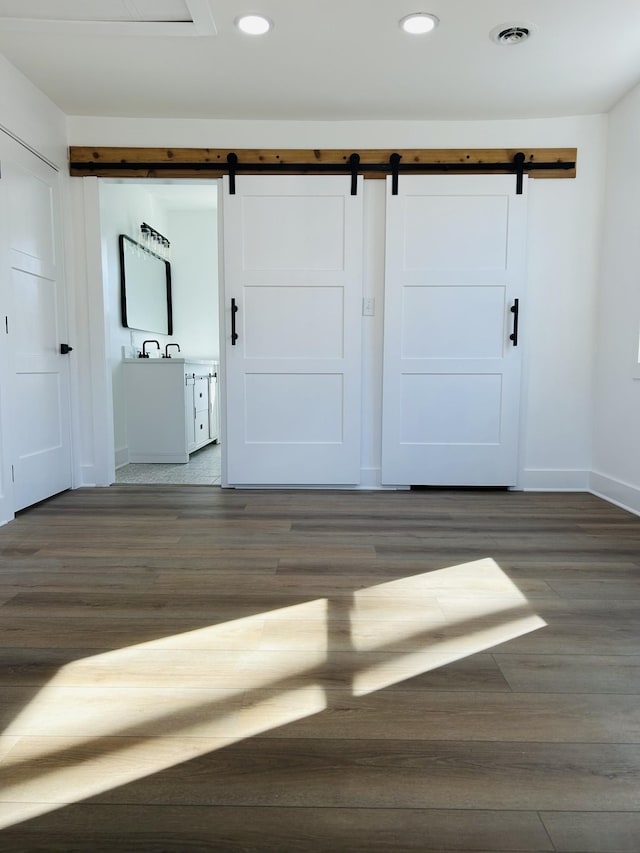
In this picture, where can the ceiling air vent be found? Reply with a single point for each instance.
(515, 34)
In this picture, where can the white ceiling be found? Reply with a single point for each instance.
(324, 59)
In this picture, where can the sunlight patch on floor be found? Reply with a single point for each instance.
(116, 717)
(442, 650)
(478, 607)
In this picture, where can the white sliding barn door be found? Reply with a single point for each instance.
(455, 252)
(36, 395)
(293, 271)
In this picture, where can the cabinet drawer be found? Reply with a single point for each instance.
(202, 427)
(201, 394)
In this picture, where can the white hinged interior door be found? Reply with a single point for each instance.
(35, 327)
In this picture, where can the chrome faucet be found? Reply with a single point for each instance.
(166, 350)
(144, 353)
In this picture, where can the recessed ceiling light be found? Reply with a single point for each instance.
(254, 25)
(418, 23)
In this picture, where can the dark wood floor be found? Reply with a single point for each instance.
(189, 669)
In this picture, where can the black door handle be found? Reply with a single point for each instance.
(234, 311)
(65, 349)
(515, 310)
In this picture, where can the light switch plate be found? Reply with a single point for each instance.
(368, 306)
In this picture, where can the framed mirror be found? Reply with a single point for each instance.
(145, 288)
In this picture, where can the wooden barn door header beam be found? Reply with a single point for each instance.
(372, 163)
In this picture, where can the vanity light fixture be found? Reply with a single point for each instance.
(155, 242)
(419, 23)
(254, 25)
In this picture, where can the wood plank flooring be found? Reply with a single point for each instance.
(190, 669)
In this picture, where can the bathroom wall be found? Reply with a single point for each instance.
(194, 265)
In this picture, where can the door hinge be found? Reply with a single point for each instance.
(13, 474)
(6, 325)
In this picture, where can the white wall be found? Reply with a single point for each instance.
(616, 415)
(565, 221)
(194, 271)
(372, 329)
(28, 115)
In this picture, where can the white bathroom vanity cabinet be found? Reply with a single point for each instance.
(172, 407)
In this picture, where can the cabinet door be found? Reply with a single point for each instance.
(156, 411)
(201, 394)
(201, 428)
(190, 411)
(201, 409)
(214, 408)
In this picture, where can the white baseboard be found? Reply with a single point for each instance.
(173, 458)
(87, 475)
(616, 492)
(122, 457)
(371, 480)
(89, 479)
(554, 480)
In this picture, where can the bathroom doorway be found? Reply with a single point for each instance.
(185, 212)
(202, 469)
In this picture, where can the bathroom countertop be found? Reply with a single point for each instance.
(172, 360)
